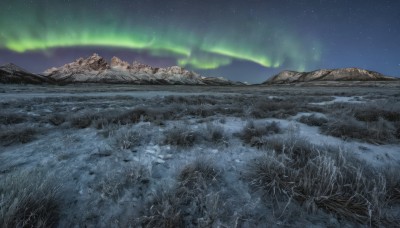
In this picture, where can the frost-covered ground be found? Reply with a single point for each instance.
(148, 156)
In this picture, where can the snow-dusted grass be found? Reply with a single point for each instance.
(181, 136)
(380, 132)
(266, 157)
(9, 135)
(127, 139)
(313, 120)
(321, 178)
(30, 199)
(374, 122)
(12, 118)
(195, 200)
(253, 135)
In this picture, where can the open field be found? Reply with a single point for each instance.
(195, 156)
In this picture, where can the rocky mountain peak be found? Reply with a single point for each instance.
(11, 67)
(96, 62)
(92, 63)
(117, 62)
(177, 69)
(136, 64)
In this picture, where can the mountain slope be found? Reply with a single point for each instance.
(11, 73)
(344, 74)
(95, 69)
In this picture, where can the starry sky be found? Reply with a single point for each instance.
(244, 40)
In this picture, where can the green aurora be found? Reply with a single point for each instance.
(193, 42)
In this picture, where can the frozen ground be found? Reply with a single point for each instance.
(338, 99)
(151, 156)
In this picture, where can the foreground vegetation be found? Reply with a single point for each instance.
(259, 158)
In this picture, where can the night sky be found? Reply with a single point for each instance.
(246, 40)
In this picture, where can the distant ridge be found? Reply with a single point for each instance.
(342, 74)
(11, 73)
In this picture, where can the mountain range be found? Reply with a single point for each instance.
(343, 74)
(95, 69)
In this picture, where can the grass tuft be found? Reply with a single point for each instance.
(313, 120)
(298, 150)
(252, 134)
(56, 120)
(127, 139)
(117, 182)
(215, 134)
(323, 179)
(378, 132)
(198, 172)
(373, 112)
(14, 118)
(81, 122)
(193, 202)
(29, 200)
(10, 136)
(181, 136)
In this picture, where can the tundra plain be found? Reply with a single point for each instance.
(199, 156)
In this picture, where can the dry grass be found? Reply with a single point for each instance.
(116, 183)
(131, 116)
(321, 180)
(56, 119)
(378, 132)
(181, 136)
(253, 135)
(192, 100)
(313, 120)
(298, 149)
(293, 177)
(138, 114)
(29, 199)
(215, 134)
(82, 121)
(191, 203)
(371, 122)
(127, 139)
(12, 118)
(373, 112)
(275, 108)
(10, 136)
(184, 136)
(393, 184)
(397, 127)
(194, 175)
